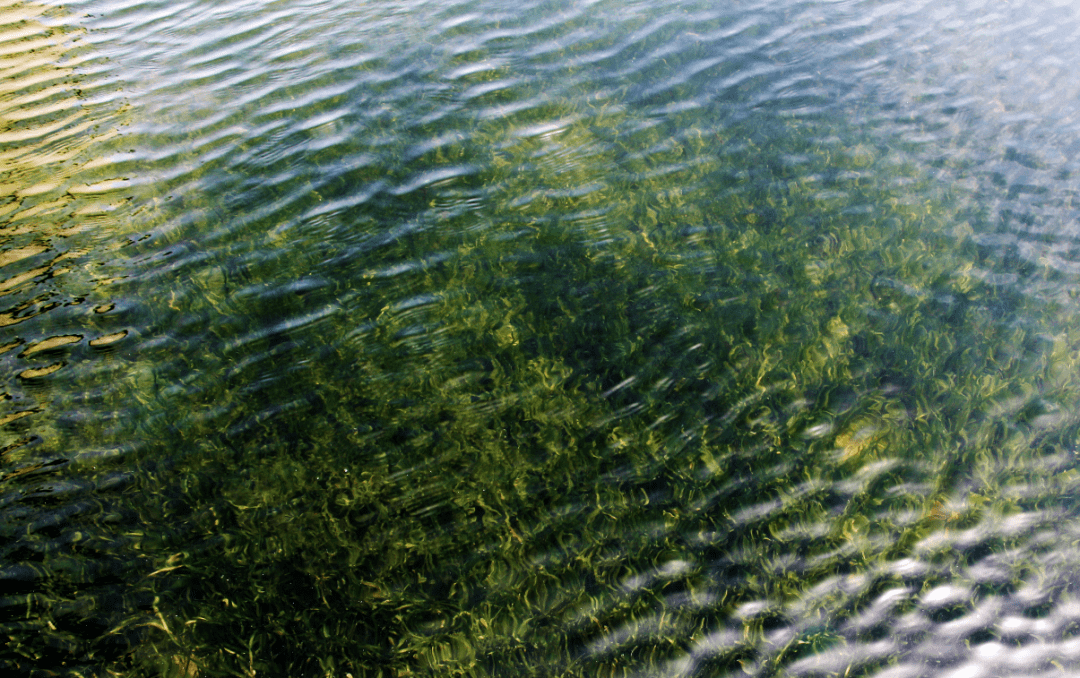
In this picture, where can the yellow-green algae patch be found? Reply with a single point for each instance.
(627, 411)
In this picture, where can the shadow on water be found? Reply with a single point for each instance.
(582, 391)
(695, 424)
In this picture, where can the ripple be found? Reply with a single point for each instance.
(629, 338)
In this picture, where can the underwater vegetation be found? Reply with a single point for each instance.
(605, 427)
(547, 384)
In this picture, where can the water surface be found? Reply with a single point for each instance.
(552, 338)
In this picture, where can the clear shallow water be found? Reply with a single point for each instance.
(552, 339)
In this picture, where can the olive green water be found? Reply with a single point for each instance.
(552, 340)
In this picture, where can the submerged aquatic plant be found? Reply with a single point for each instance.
(636, 412)
(554, 384)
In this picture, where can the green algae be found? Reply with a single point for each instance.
(741, 377)
(575, 390)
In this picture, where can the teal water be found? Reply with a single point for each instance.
(553, 339)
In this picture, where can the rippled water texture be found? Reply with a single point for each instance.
(475, 338)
